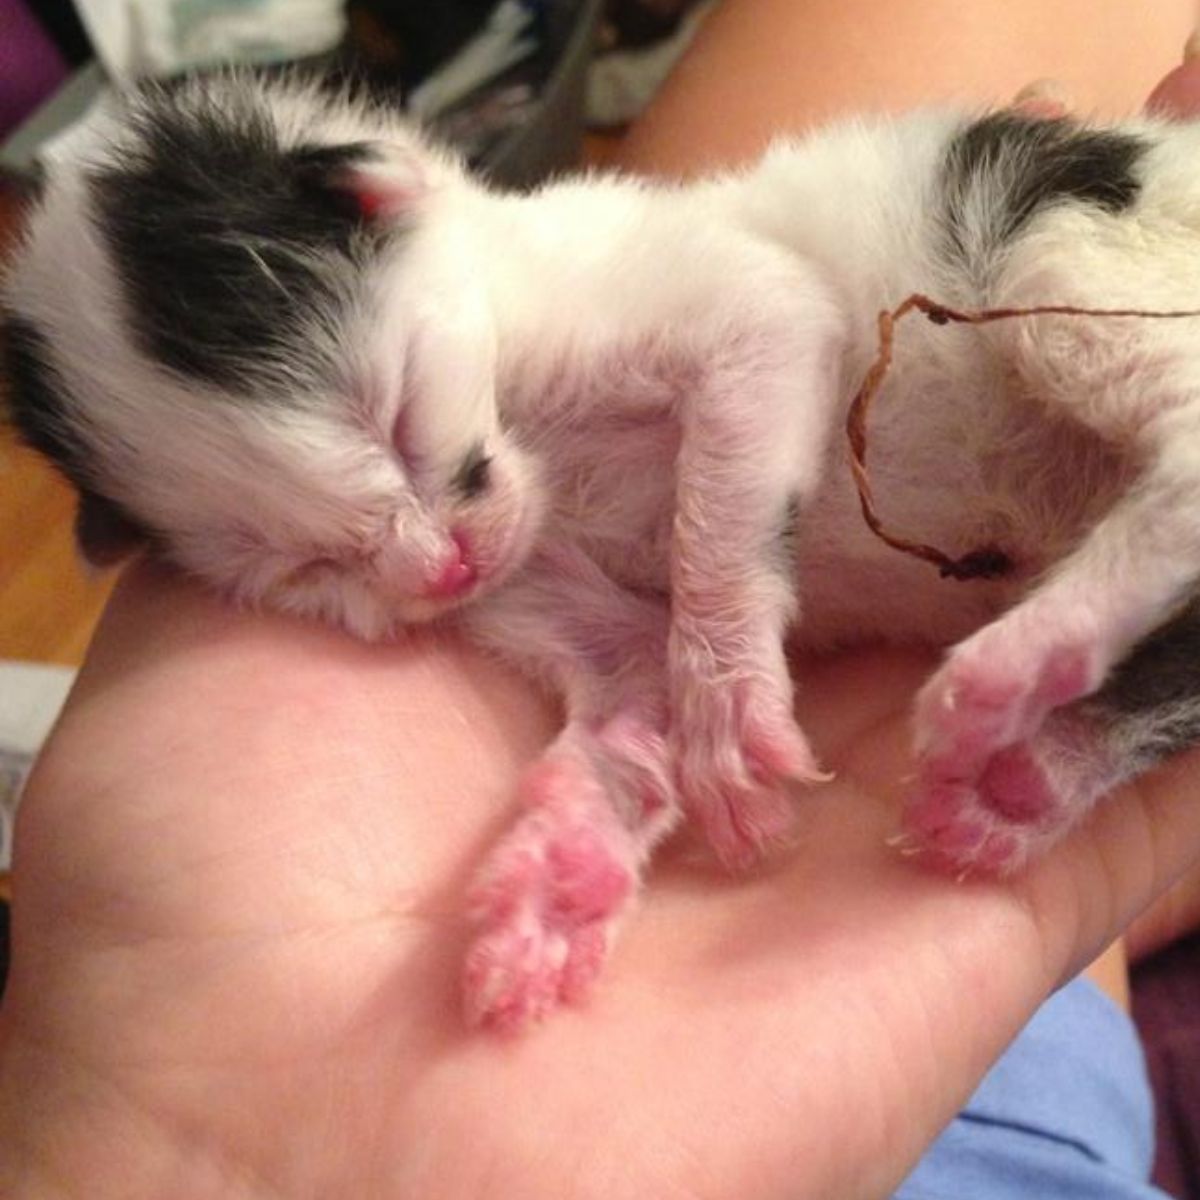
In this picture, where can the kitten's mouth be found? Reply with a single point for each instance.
(459, 574)
(475, 566)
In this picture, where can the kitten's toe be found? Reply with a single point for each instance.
(995, 690)
(546, 902)
(734, 766)
(1025, 798)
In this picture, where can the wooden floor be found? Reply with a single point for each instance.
(49, 602)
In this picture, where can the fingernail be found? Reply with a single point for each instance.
(1043, 89)
(1044, 98)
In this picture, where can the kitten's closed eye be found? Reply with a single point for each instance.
(474, 476)
(311, 573)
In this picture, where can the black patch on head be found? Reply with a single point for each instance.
(474, 475)
(37, 398)
(228, 243)
(1024, 164)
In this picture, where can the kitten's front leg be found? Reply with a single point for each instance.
(547, 899)
(754, 434)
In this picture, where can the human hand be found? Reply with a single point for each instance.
(1178, 95)
(238, 940)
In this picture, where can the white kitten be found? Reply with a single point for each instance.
(312, 361)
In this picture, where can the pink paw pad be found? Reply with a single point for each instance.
(957, 833)
(1025, 796)
(508, 981)
(544, 906)
(985, 699)
(583, 883)
(1017, 807)
(1015, 786)
(942, 818)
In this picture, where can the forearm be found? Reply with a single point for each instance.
(764, 67)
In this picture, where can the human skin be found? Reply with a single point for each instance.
(238, 939)
(238, 928)
(761, 67)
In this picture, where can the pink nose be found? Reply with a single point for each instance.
(458, 573)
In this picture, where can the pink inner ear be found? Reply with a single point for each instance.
(374, 204)
(380, 194)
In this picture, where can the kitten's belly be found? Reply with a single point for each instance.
(845, 600)
(1031, 486)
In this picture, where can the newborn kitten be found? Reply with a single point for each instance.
(307, 358)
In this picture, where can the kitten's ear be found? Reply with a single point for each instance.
(369, 181)
(105, 535)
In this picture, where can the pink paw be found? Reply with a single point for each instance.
(992, 693)
(1027, 797)
(733, 764)
(546, 901)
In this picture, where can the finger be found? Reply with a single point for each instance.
(1174, 916)
(1134, 848)
(1178, 95)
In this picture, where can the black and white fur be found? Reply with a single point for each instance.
(307, 358)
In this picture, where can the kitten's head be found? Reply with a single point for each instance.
(244, 320)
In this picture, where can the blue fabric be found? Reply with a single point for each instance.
(1066, 1114)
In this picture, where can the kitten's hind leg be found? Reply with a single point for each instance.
(1035, 791)
(998, 687)
(1136, 382)
(548, 897)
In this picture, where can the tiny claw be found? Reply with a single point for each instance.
(904, 844)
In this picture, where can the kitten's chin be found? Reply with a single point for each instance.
(501, 561)
(373, 614)
(365, 607)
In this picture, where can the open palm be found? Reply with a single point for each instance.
(238, 935)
